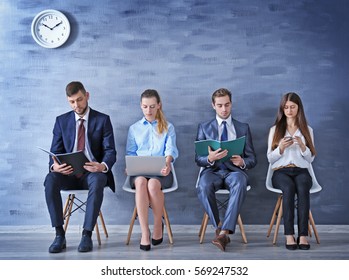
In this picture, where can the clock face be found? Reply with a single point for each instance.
(50, 29)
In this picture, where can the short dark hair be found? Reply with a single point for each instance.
(74, 87)
(219, 93)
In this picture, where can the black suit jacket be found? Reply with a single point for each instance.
(100, 139)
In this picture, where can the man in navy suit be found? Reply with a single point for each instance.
(231, 174)
(99, 148)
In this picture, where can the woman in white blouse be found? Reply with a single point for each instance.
(290, 152)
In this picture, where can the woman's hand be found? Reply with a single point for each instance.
(166, 170)
(298, 141)
(285, 143)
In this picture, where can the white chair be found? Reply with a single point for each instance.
(75, 202)
(221, 205)
(127, 187)
(278, 207)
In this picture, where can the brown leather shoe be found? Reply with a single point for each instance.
(221, 241)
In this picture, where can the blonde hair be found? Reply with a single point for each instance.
(160, 116)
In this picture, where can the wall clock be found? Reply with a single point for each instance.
(50, 28)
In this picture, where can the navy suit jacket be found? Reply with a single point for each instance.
(100, 139)
(209, 130)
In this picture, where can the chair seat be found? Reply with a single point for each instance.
(73, 203)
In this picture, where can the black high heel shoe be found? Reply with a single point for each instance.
(291, 247)
(145, 247)
(302, 246)
(158, 241)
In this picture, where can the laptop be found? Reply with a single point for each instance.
(145, 165)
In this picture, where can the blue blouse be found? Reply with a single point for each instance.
(143, 139)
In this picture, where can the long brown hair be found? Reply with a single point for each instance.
(160, 116)
(301, 122)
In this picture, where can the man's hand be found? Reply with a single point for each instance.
(237, 160)
(217, 154)
(93, 166)
(61, 168)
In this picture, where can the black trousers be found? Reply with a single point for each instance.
(94, 182)
(294, 181)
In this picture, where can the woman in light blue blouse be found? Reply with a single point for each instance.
(152, 136)
(290, 152)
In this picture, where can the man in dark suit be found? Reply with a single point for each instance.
(230, 174)
(91, 131)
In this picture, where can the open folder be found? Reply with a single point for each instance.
(234, 147)
(76, 159)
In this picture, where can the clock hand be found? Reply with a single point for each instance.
(47, 26)
(57, 24)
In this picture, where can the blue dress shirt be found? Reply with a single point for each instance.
(143, 139)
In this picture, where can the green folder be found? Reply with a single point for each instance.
(234, 147)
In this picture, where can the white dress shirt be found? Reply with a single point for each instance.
(230, 128)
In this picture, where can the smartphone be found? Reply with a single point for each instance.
(288, 138)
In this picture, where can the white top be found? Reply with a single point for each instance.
(293, 154)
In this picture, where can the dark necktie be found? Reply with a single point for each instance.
(224, 136)
(81, 140)
(81, 136)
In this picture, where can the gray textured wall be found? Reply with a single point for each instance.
(186, 50)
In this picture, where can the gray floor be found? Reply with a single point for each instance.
(31, 243)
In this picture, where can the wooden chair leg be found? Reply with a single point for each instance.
(103, 224)
(309, 229)
(278, 221)
(275, 214)
(311, 219)
(168, 226)
(70, 203)
(98, 235)
(203, 227)
(66, 206)
(133, 218)
(242, 230)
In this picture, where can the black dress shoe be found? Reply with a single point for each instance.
(58, 244)
(158, 241)
(85, 244)
(302, 246)
(291, 247)
(144, 247)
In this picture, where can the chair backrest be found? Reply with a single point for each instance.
(314, 188)
(127, 186)
(220, 191)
